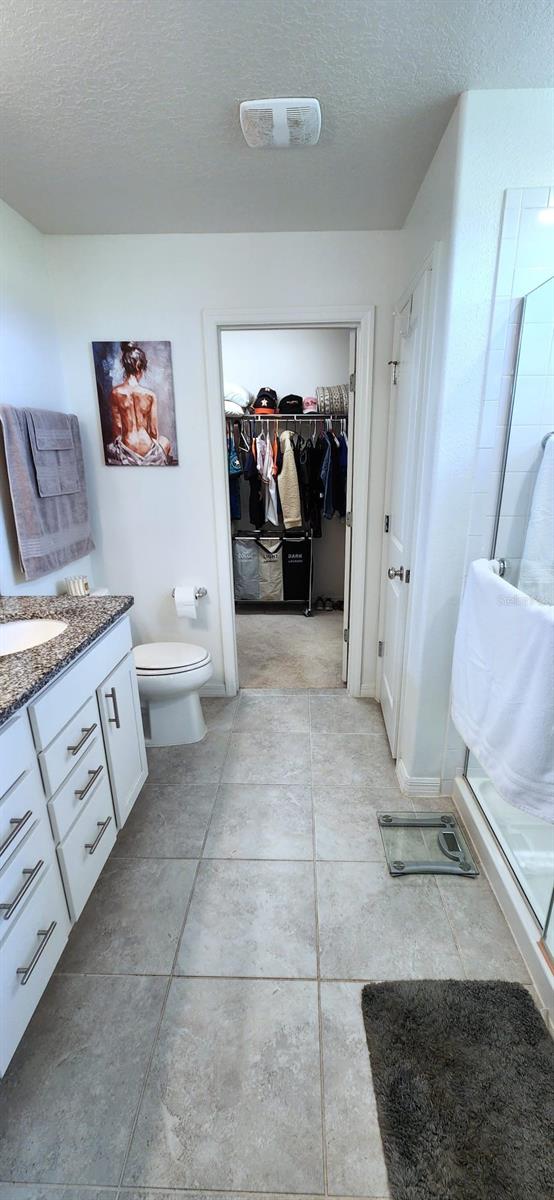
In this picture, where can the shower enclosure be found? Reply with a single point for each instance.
(526, 841)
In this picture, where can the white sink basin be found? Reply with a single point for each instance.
(21, 635)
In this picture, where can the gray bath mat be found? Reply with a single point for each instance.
(464, 1079)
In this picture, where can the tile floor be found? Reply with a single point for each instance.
(203, 1031)
(287, 648)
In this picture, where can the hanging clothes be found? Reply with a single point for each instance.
(264, 459)
(235, 472)
(256, 509)
(289, 492)
(343, 467)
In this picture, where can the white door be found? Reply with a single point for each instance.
(407, 372)
(348, 533)
(119, 705)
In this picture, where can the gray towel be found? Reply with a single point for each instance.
(51, 530)
(53, 452)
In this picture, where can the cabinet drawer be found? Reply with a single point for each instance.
(17, 752)
(72, 689)
(22, 805)
(23, 872)
(78, 789)
(84, 851)
(58, 760)
(29, 955)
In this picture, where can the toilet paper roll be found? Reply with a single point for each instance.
(185, 601)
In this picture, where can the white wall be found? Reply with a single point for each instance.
(297, 361)
(155, 529)
(288, 360)
(30, 372)
(504, 141)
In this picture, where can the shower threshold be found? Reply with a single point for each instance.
(425, 844)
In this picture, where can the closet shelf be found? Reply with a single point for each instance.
(319, 416)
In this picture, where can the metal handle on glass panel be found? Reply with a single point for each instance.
(86, 732)
(31, 873)
(395, 573)
(94, 775)
(112, 695)
(102, 825)
(18, 823)
(45, 934)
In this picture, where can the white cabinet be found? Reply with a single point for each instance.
(118, 701)
(59, 824)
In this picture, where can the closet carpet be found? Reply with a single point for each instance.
(204, 1028)
(289, 650)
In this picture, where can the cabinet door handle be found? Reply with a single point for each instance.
(45, 934)
(86, 732)
(94, 775)
(102, 825)
(18, 823)
(112, 695)
(31, 873)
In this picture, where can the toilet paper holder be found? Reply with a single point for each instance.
(199, 593)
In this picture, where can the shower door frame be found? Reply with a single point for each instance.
(543, 927)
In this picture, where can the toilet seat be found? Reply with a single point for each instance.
(169, 658)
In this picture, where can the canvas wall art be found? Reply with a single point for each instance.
(137, 403)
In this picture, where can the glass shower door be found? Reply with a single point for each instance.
(526, 840)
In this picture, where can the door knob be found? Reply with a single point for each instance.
(395, 573)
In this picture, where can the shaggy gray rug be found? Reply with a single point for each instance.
(464, 1079)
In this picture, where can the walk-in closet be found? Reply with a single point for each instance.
(288, 412)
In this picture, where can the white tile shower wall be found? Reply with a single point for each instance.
(525, 261)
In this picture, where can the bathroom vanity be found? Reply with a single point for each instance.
(72, 763)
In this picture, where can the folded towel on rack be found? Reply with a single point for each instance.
(503, 689)
(536, 572)
(51, 530)
(53, 452)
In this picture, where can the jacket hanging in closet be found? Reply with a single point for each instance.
(289, 491)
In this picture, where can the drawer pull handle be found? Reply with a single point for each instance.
(86, 732)
(94, 775)
(45, 934)
(31, 873)
(18, 823)
(102, 825)
(112, 695)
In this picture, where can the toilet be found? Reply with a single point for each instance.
(170, 675)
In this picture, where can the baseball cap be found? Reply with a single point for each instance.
(266, 401)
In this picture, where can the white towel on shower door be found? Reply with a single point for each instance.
(536, 572)
(503, 687)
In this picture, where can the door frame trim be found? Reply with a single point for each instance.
(420, 449)
(361, 318)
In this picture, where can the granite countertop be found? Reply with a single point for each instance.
(25, 673)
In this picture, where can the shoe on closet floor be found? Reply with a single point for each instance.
(329, 606)
(319, 604)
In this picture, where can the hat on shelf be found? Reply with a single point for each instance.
(265, 402)
(290, 404)
(309, 404)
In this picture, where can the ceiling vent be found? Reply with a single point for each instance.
(280, 123)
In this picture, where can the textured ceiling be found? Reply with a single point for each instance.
(122, 115)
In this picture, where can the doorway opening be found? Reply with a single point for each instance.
(288, 411)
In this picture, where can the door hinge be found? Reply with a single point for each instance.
(346, 636)
(394, 363)
(352, 381)
(380, 649)
(387, 523)
(407, 576)
(349, 520)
